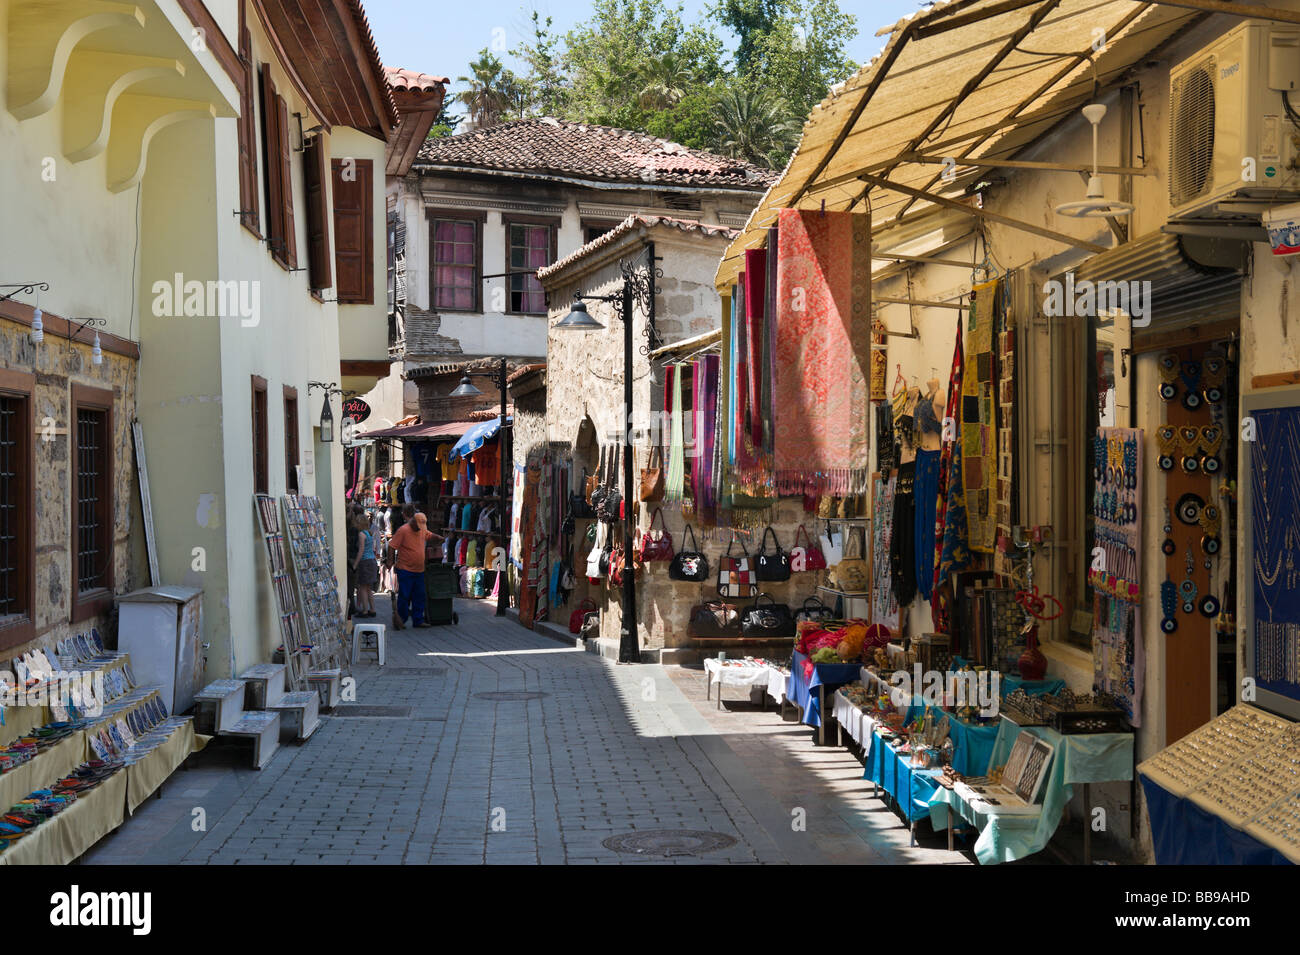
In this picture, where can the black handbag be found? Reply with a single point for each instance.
(689, 564)
(772, 567)
(598, 492)
(612, 505)
(714, 620)
(813, 609)
(769, 619)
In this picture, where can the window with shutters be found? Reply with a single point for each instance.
(247, 128)
(353, 181)
(318, 233)
(261, 476)
(291, 439)
(92, 501)
(276, 150)
(17, 509)
(456, 254)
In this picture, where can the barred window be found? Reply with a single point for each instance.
(92, 501)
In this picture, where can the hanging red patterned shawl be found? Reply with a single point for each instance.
(755, 276)
(950, 416)
(823, 351)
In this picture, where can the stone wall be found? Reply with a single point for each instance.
(57, 365)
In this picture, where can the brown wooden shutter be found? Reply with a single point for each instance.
(286, 184)
(318, 234)
(247, 134)
(354, 230)
(271, 163)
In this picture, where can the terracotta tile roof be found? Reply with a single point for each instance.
(557, 148)
(631, 224)
(408, 80)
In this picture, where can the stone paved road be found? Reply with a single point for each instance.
(460, 778)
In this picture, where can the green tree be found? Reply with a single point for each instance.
(755, 125)
(665, 79)
(749, 20)
(488, 92)
(545, 84)
(446, 123)
(803, 53)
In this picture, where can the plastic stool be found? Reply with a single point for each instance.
(362, 630)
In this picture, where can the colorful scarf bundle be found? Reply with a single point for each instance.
(823, 352)
(705, 410)
(950, 445)
(675, 480)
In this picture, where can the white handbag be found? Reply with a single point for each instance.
(593, 558)
(832, 547)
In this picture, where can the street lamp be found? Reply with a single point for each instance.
(638, 287)
(466, 389)
(326, 413)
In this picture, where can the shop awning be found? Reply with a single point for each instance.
(424, 432)
(475, 438)
(976, 80)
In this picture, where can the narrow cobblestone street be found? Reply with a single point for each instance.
(450, 775)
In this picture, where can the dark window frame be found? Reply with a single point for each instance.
(553, 231)
(315, 174)
(20, 627)
(365, 180)
(292, 451)
(479, 218)
(599, 224)
(250, 217)
(261, 446)
(97, 600)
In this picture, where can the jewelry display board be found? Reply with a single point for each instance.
(1115, 568)
(1244, 768)
(318, 588)
(286, 600)
(1271, 546)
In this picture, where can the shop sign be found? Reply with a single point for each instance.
(356, 409)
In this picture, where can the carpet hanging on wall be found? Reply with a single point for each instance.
(823, 352)
(979, 421)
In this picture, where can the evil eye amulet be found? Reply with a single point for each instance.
(1165, 462)
(1210, 464)
(1168, 391)
(1169, 547)
(1209, 605)
(1210, 545)
(1191, 465)
(1192, 401)
(1169, 624)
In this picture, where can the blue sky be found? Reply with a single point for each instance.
(442, 37)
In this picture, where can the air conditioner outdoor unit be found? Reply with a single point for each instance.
(1229, 123)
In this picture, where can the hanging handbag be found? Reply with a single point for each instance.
(594, 572)
(814, 611)
(617, 565)
(713, 620)
(735, 576)
(596, 487)
(657, 548)
(832, 547)
(691, 564)
(769, 619)
(591, 625)
(579, 614)
(613, 493)
(604, 561)
(851, 572)
(813, 558)
(771, 567)
(652, 476)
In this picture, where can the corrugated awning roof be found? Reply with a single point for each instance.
(956, 81)
(440, 429)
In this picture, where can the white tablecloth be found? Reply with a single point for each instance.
(855, 723)
(778, 682)
(730, 674)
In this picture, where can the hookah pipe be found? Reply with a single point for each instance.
(1033, 665)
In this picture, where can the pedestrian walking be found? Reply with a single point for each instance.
(409, 543)
(365, 567)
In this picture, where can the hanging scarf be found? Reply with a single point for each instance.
(769, 343)
(733, 379)
(673, 484)
(950, 443)
(707, 450)
(755, 298)
(697, 435)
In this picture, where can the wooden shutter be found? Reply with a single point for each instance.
(318, 233)
(271, 163)
(286, 184)
(247, 135)
(354, 230)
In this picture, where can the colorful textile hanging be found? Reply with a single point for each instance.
(528, 536)
(755, 276)
(951, 448)
(926, 494)
(706, 411)
(769, 342)
(823, 352)
(884, 607)
(675, 480)
(1006, 382)
(1117, 647)
(979, 420)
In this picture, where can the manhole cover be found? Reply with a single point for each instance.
(510, 696)
(669, 842)
(382, 712)
(413, 671)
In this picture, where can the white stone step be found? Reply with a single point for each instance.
(329, 684)
(265, 685)
(263, 729)
(218, 705)
(300, 712)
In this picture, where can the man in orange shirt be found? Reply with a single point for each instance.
(409, 542)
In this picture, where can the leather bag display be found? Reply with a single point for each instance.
(769, 619)
(774, 566)
(657, 548)
(652, 476)
(813, 557)
(735, 576)
(714, 620)
(579, 613)
(851, 572)
(689, 563)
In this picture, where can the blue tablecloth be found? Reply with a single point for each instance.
(802, 691)
(1185, 834)
(911, 787)
(1078, 758)
(1010, 682)
(972, 745)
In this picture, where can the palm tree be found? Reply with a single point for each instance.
(484, 96)
(664, 81)
(755, 126)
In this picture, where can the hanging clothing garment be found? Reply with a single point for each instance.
(884, 606)
(484, 522)
(449, 468)
(769, 342)
(487, 463)
(675, 479)
(902, 557)
(755, 296)
(951, 447)
(886, 447)
(925, 492)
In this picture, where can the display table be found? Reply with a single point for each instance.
(733, 673)
(911, 787)
(809, 692)
(855, 723)
(778, 683)
(1183, 833)
(68, 835)
(1079, 759)
(145, 775)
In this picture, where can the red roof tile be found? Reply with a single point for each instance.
(558, 148)
(630, 224)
